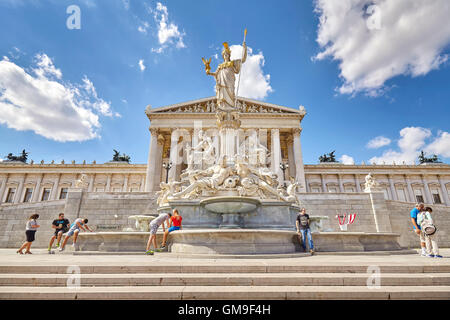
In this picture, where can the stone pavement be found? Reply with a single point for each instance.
(168, 276)
(40, 257)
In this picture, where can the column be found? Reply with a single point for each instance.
(150, 177)
(108, 183)
(125, 183)
(197, 155)
(54, 193)
(142, 184)
(3, 188)
(324, 187)
(276, 154)
(358, 185)
(411, 196)
(262, 138)
(341, 187)
(37, 189)
(427, 190)
(443, 189)
(19, 190)
(174, 137)
(158, 159)
(299, 169)
(291, 159)
(91, 183)
(391, 184)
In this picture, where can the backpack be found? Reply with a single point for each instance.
(427, 225)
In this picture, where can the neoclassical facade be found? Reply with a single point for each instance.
(176, 128)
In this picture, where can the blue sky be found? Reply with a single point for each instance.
(391, 84)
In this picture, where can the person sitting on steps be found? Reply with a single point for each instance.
(175, 224)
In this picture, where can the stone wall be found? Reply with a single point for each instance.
(100, 208)
(13, 219)
(401, 223)
(110, 211)
(331, 204)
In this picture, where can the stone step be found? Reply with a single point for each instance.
(429, 266)
(225, 279)
(227, 292)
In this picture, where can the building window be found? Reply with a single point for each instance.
(317, 190)
(349, 189)
(46, 194)
(10, 196)
(99, 189)
(117, 189)
(437, 198)
(28, 194)
(332, 189)
(63, 193)
(419, 198)
(419, 195)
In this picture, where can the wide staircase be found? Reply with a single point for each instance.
(223, 281)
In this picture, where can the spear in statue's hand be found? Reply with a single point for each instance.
(239, 76)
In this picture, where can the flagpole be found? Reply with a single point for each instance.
(239, 75)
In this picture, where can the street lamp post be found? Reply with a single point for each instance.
(167, 166)
(284, 166)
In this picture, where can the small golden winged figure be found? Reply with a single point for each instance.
(207, 66)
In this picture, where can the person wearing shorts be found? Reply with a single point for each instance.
(30, 233)
(61, 225)
(154, 225)
(80, 223)
(175, 224)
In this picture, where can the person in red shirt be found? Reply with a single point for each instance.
(175, 224)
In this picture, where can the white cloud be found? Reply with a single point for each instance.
(345, 159)
(400, 37)
(126, 4)
(41, 102)
(141, 65)
(412, 141)
(143, 27)
(440, 146)
(254, 83)
(168, 33)
(378, 142)
(46, 67)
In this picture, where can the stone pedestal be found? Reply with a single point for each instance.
(379, 209)
(73, 202)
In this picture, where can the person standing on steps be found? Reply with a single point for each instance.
(425, 220)
(175, 224)
(416, 227)
(304, 231)
(154, 225)
(30, 233)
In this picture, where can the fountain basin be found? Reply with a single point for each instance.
(232, 241)
(230, 205)
(239, 241)
(142, 222)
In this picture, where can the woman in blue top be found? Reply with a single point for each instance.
(413, 214)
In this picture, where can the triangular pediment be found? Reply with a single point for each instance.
(209, 105)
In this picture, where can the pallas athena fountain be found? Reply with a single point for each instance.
(230, 198)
